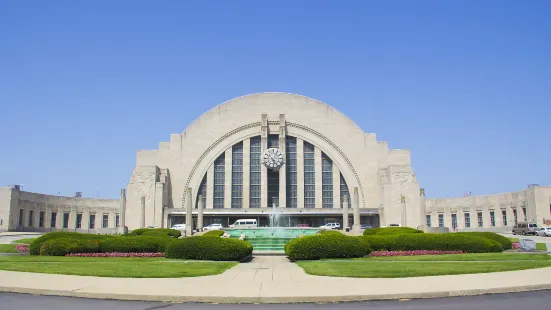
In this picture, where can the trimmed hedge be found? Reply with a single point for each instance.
(327, 246)
(330, 232)
(436, 242)
(64, 246)
(504, 241)
(213, 233)
(156, 232)
(209, 248)
(135, 244)
(34, 247)
(384, 231)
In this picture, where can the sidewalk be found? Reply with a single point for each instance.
(273, 279)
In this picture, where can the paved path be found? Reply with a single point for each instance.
(273, 279)
(514, 301)
(6, 238)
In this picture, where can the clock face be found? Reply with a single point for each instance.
(273, 159)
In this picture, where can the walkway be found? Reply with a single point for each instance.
(273, 279)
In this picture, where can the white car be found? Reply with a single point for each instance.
(179, 227)
(544, 232)
(331, 226)
(213, 227)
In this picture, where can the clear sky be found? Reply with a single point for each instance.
(465, 85)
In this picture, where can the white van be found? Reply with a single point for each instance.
(247, 223)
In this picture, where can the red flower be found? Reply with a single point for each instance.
(412, 253)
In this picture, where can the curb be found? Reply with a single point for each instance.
(275, 300)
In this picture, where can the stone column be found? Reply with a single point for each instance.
(318, 177)
(73, 218)
(157, 219)
(142, 212)
(486, 216)
(447, 217)
(210, 187)
(345, 223)
(356, 205)
(246, 173)
(48, 216)
(199, 214)
(382, 216)
(282, 170)
(86, 219)
(460, 219)
(498, 217)
(59, 217)
(189, 214)
(300, 173)
(122, 213)
(336, 187)
(422, 208)
(510, 216)
(404, 220)
(228, 165)
(520, 213)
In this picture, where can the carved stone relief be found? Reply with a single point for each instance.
(143, 182)
(401, 181)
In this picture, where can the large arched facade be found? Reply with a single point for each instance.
(325, 157)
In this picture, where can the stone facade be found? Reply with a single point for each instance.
(326, 157)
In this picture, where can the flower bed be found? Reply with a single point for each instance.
(22, 248)
(516, 245)
(117, 254)
(412, 253)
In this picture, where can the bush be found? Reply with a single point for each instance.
(330, 232)
(328, 245)
(156, 231)
(435, 242)
(35, 246)
(64, 246)
(214, 233)
(209, 248)
(135, 244)
(504, 241)
(391, 231)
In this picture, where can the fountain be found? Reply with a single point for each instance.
(271, 239)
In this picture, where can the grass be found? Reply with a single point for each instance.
(8, 248)
(113, 267)
(466, 257)
(425, 265)
(24, 240)
(541, 247)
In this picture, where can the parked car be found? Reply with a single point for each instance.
(246, 223)
(331, 226)
(179, 226)
(391, 225)
(303, 225)
(544, 232)
(365, 226)
(213, 227)
(525, 229)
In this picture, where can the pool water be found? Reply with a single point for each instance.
(270, 239)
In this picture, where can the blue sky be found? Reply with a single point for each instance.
(465, 85)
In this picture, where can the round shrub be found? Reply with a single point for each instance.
(156, 231)
(209, 248)
(327, 246)
(135, 244)
(504, 241)
(436, 242)
(64, 246)
(34, 247)
(391, 231)
(214, 233)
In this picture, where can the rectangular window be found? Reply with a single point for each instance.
(202, 192)
(53, 220)
(492, 218)
(21, 212)
(273, 141)
(327, 181)
(219, 180)
(525, 215)
(428, 220)
(66, 220)
(255, 175)
(237, 176)
(291, 171)
(467, 220)
(41, 219)
(440, 220)
(273, 188)
(515, 216)
(504, 214)
(454, 221)
(480, 220)
(105, 222)
(117, 220)
(345, 192)
(92, 222)
(309, 176)
(79, 220)
(30, 219)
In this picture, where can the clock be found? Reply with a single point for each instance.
(273, 158)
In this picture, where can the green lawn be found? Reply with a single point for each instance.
(113, 267)
(8, 248)
(425, 265)
(465, 257)
(541, 247)
(24, 240)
